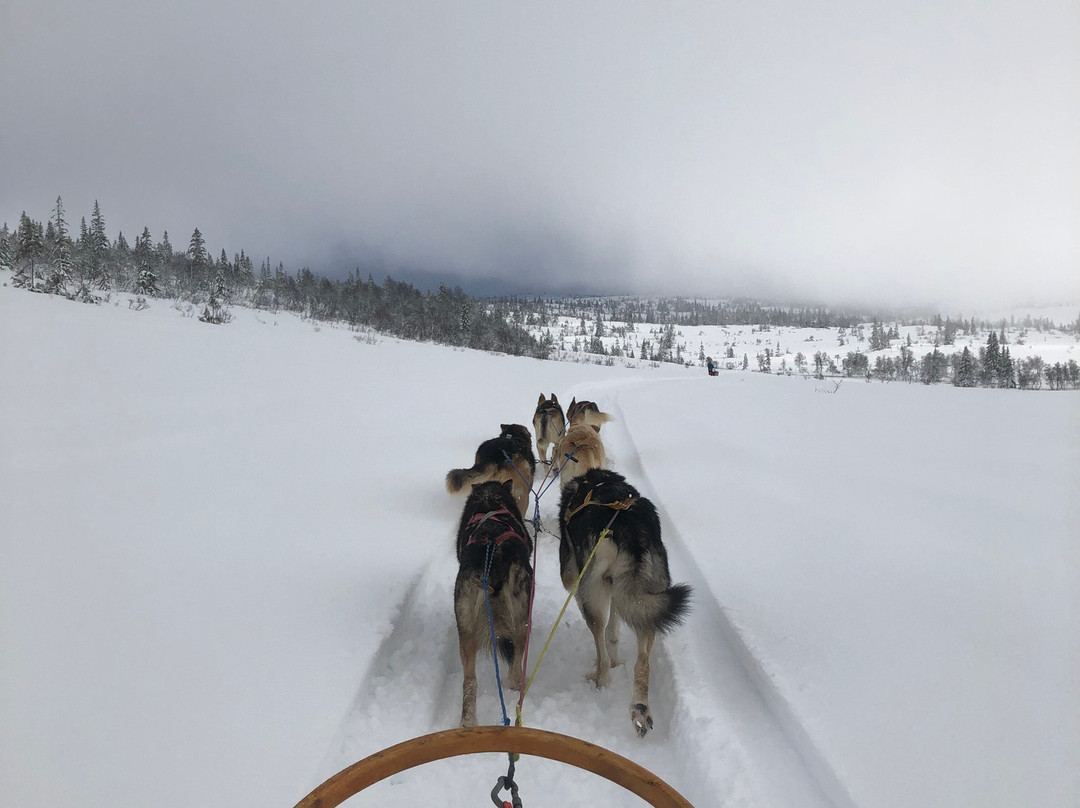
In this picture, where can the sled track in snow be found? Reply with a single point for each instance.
(720, 669)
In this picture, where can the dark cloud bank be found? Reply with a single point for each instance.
(830, 152)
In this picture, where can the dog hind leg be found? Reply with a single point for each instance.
(468, 647)
(594, 600)
(611, 635)
(639, 704)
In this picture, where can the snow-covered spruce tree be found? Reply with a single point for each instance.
(30, 248)
(98, 243)
(966, 373)
(933, 366)
(59, 276)
(216, 310)
(7, 255)
(123, 263)
(146, 281)
(990, 366)
(198, 260)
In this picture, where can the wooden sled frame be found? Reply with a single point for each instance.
(516, 740)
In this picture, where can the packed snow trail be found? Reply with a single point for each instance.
(717, 738)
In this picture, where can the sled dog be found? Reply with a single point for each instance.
(628, 577)
(579, 450)
(549, 423)
(507, 457)
(586, 412)
(491, 542)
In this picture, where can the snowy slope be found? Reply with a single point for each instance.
(226, 564)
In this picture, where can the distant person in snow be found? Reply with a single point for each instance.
(711, 366)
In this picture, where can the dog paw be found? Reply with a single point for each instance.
(641, 719)
(598, 678)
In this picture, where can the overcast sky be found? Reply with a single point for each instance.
(909, 152)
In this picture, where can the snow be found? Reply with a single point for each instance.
(786, 343)
(226, 564)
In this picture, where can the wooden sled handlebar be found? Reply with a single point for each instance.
(517, 740)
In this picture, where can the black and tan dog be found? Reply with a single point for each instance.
(549, 423)
(492, 543)
(628, 577)
(507, 457)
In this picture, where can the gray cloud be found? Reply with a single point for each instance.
(925, 152)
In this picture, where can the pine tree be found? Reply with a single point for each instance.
(965, 375)
(146, 282)
(198, 259)
(949, 337)
(878, 339)
(1007, 371)
(991, 367)
(932, 368)
(465, 323)
(99, 248)
(62, 264)
(216, 309)
(7, 255)
(30, 248)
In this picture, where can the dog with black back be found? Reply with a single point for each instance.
(507, 457)
(549, 423)
(493, 546)
(628, 578)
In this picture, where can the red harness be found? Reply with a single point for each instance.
(501, 516)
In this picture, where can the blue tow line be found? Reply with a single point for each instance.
(487, 569)
(491, 625)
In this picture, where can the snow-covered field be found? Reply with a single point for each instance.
(728, 345)
(226, 562)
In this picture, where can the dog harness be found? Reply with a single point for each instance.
(619, 505)
(502, 517)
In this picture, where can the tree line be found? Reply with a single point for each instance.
(991, 366)
(48, 257)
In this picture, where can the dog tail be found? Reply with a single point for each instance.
(457, 479)
(660, 612)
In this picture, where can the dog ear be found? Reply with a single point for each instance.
(504, 427)
(508, 485)
(594, 426)
(554, 400)
(541, 401)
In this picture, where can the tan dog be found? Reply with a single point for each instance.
(579, 450)
(549, 423)
(508, 457)
(586, 412)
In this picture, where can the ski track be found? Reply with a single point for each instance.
(720, 722)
